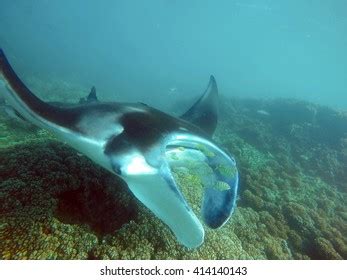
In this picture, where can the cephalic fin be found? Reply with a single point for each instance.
(160, 194)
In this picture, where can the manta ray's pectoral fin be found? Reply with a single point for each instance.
(24, 102)
(204, 113)
(13, 114)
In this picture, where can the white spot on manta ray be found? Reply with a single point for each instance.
(137, 165)
(101, 126)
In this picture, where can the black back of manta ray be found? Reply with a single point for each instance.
(204, 113)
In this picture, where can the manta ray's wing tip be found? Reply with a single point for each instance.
(2, 58)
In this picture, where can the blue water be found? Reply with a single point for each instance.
(156, 50)
(291, 156)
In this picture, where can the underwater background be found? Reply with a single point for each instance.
(281, 71)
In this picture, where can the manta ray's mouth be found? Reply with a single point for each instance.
(216, 172)
(162, 191)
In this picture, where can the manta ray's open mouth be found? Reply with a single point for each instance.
(219, 180)
(162, 194)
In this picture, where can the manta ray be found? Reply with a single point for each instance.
(133, 141)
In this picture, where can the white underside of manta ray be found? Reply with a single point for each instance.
(133, 141)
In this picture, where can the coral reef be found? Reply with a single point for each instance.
(56, 204)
